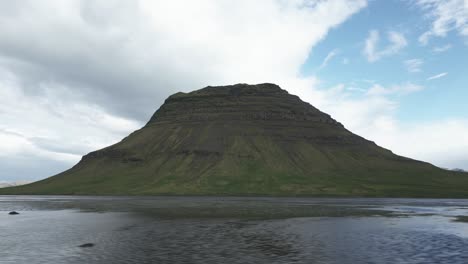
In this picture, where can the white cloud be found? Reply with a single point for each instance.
(54, 128)
(374, 116)
(437, 76)
(444, 146)
(446, 16)
(370, 46)
(413, 65)
(397, 41)
(402, 89)
(329, 56)
(139, 50)
(345, 61)
(443, 48)
(98, 69)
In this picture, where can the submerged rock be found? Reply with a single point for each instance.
(87, 245)
(13, 213)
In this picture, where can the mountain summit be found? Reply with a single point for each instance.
(247, 140)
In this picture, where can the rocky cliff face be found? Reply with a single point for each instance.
(265, 105)
(241, 102)
(247, 139)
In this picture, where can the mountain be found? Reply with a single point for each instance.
(247, 140)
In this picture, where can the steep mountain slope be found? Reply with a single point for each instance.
(248, 140)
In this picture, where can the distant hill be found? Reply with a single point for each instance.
(247, 140)
(11, 184)
(4, 184)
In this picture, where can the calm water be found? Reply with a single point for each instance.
(231, 230)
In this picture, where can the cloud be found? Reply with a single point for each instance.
(55, 127)
(440, 49)
(329, 56)
(137, 51)
(437, 76)
(402, 89)
(413, 65)
(397, 41)
(374, 116)
(99, 69)
(445, 16)
(444, 146)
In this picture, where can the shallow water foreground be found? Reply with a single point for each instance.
(231, 230)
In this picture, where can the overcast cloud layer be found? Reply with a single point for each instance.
(76, 76)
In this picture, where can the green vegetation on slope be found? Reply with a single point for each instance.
(247, 140)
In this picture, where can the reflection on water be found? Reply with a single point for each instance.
(231, 230)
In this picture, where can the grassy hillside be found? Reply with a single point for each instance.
(247, 140)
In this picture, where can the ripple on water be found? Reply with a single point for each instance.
(54, 236)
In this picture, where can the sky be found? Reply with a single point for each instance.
(79, 75)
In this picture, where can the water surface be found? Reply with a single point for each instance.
(231, 230)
